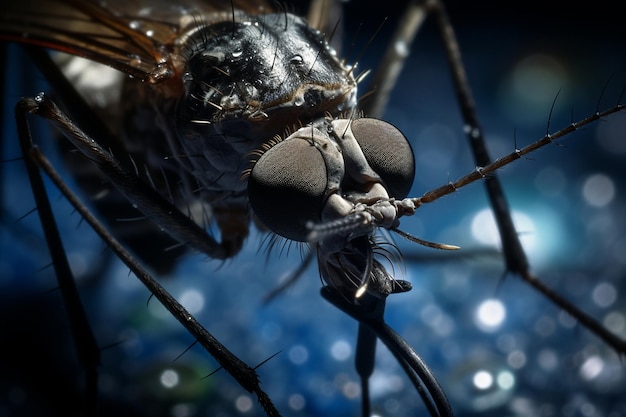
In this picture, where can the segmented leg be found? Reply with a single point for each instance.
(42, 106)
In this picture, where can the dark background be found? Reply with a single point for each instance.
(559, 369)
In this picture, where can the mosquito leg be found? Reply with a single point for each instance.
(394, 59)
(244, 374)
(82, 114)
(385, 80)
(366, 353)
(364, 364)
(324, 15)
(84, 340)
(370, 316)
(514, 255)
(111, 208)
(146, 200)
(3, 58)
(423, 380)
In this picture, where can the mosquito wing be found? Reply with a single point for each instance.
(140, 38)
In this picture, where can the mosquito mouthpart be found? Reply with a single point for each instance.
(321, 231)
(415, 239)
(445, 246)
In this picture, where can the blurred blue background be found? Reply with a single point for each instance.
(497, 347)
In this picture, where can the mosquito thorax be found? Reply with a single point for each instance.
(248, 80)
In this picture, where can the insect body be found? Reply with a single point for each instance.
(208, 88)
(205, 92)
(170, 106)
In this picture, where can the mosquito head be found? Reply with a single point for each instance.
(331, 184)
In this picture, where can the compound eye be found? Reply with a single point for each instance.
(287, 188)
(388, 153)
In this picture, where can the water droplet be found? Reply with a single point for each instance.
(135, 61)
(298, 101)
(401, 48)
(296, 60)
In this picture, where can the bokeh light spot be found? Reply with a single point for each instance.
(169, 378)
(298, 354)
(340, 350)
(598, 190)
(592, 367)
(490, 314)
(243, 403)
(482, 380)
(192, 300)
(604, 294)
(485, 230)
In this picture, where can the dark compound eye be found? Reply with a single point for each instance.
(287, 187)
(388, 153)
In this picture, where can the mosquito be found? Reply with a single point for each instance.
(298, 354)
